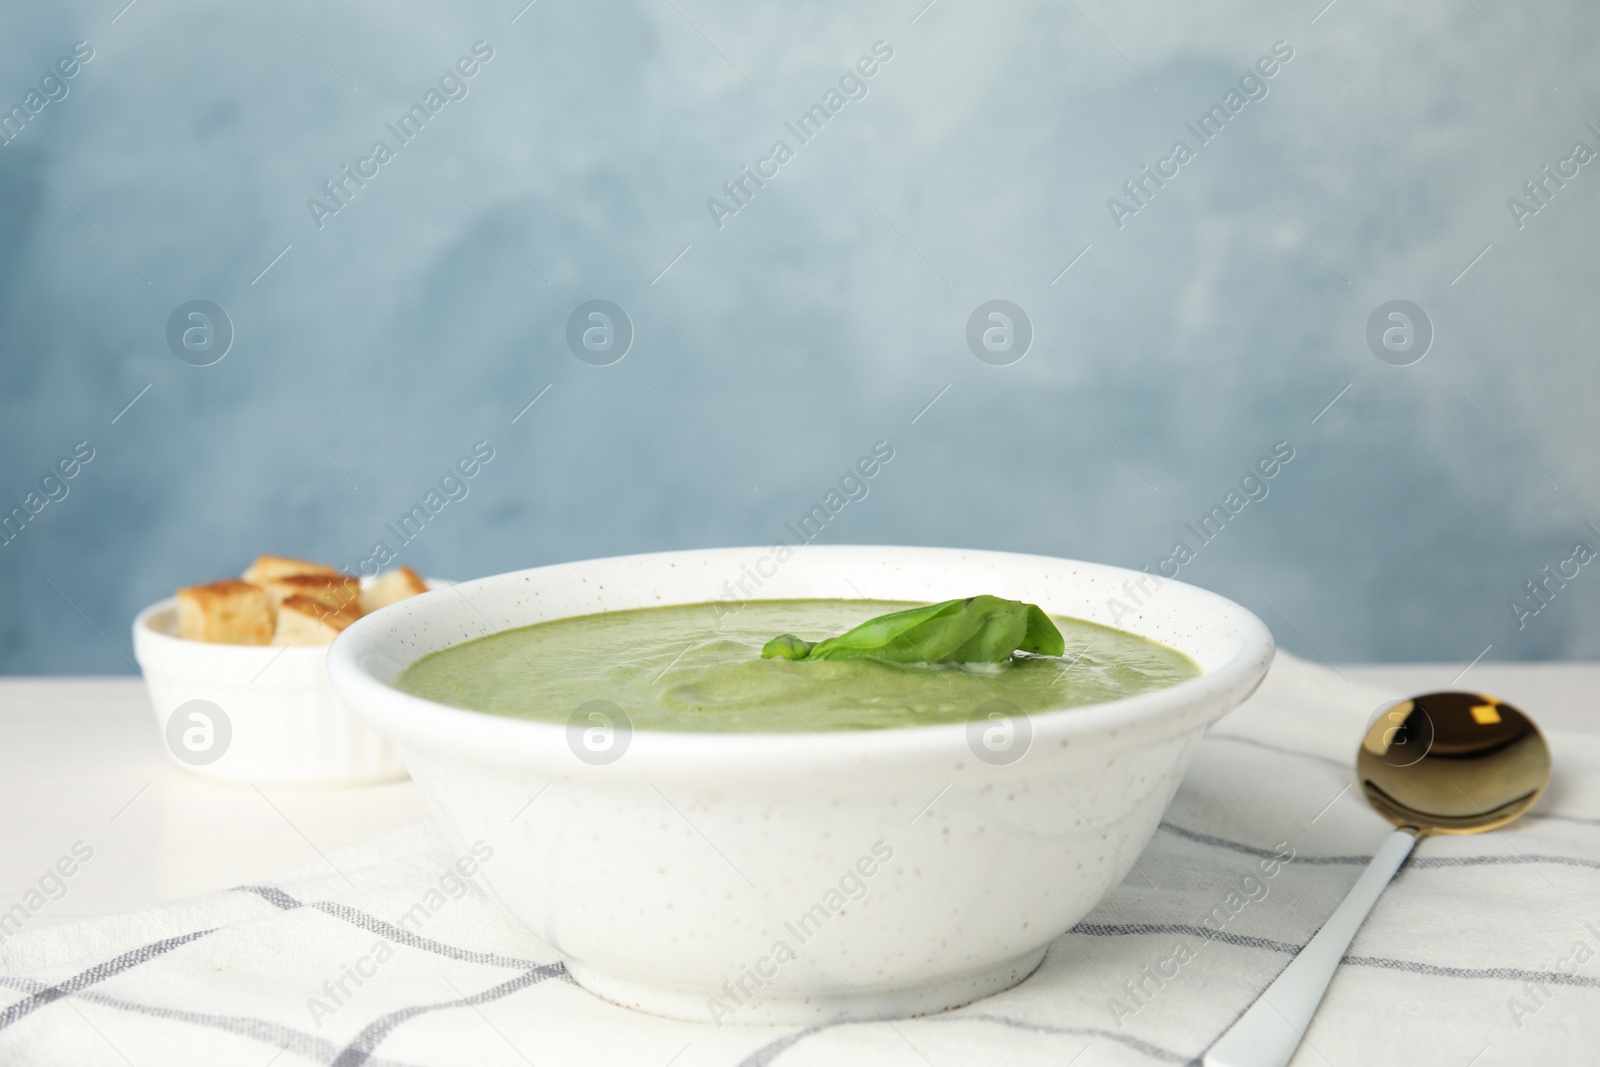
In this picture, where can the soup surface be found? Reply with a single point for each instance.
(681, 668)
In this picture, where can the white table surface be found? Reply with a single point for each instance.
(80, 760)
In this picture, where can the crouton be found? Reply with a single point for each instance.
(266, 568)
(305, 621)
(230, 612)
(385, 589)
(338, 592)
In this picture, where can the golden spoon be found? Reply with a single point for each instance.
(1444, 763)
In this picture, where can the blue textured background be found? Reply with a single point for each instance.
(825, 315)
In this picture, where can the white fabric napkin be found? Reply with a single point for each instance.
(1484, 951)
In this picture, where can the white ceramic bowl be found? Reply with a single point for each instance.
(903, 873)
(254, 713)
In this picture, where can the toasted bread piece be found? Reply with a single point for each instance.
(304, 621)
(266, 568)
(230, 612)
(394, 585)
(337, 592)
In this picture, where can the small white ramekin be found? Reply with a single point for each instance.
(254, 713)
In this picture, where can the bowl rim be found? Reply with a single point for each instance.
(420, 724)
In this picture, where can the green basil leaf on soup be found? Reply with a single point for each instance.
(980, 629)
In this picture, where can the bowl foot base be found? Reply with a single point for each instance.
(818, 1006)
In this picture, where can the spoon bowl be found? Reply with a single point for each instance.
(1453, 763)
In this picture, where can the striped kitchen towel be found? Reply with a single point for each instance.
(1484, 951)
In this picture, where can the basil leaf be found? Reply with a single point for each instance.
(980, 629)
(785, 646)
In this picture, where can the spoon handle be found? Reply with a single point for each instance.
(1268, 1034)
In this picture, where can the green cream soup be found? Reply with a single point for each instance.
(680, 668)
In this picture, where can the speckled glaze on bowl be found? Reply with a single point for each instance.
(797, 878)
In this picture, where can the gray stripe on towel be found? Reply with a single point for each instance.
(399, 935)
(280, 1037)
(1495, 861)
(766, 1054)
(1262, 853)
(1508, 974)
(1421, 862)
(1562, 818)
(98, 973)
(1155, 1052)
(763, 1056)
(359, 1052)
(1204, 933)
